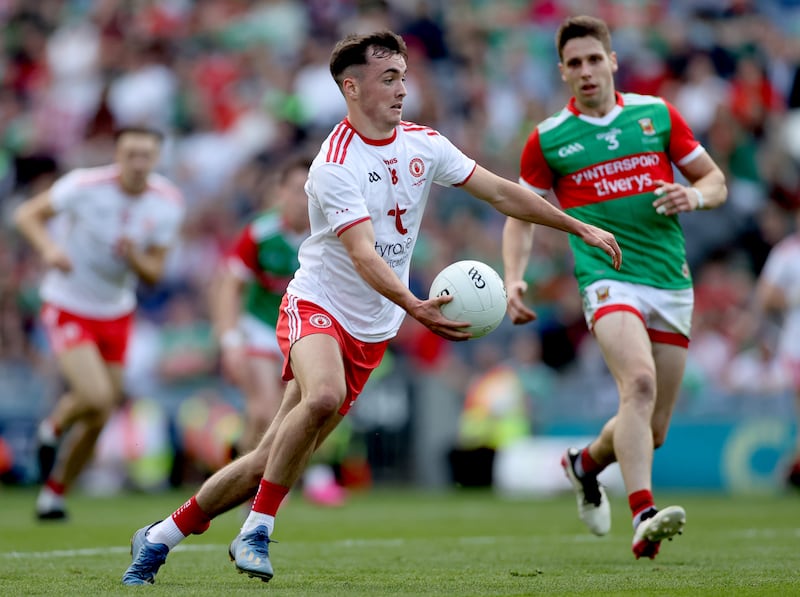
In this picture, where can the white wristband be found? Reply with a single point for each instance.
(701, 201)
(232, 338)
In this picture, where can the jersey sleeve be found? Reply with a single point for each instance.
(453, 167)
(683, 147)
(242, 258)
(533, 168)
(338, 195)
(64, 191)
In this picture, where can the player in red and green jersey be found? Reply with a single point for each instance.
(608, 158)
(247, 296)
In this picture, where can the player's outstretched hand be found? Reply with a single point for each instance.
(597, 237)
(517, 311)
(429, 314)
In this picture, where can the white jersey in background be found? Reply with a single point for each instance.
(353, 179)
(782, 270)
(95, 214)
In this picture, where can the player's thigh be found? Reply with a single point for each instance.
(89, 377)
(317, 364)
(625, 345)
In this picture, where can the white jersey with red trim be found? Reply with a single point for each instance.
(94, 215)
(354, 179)
(782, 270)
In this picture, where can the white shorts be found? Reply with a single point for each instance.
(260, 337)
(667, 314)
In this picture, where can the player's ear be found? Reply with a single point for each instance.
(350, 88)
(561, 70)
(612, 57)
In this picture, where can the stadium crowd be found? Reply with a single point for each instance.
(238, 85)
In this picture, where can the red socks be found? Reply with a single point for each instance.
(589, 466)
(190, 519)
(640, 501)
(269, 497)
(56, 487)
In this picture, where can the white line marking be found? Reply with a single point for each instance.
(341, 543)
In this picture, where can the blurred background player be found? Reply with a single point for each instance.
(778, 294)
(116, 225)
(367, 189)
(246, 299)
(608, 158)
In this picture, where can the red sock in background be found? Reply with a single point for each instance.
(269, 497)
(55, 487)
(588, 464)
(190, 519)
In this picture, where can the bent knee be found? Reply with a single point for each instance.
(99, 406)
(641, 386)
(324, 403)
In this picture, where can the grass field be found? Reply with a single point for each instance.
(412, 543)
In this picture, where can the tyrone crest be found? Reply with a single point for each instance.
(319, 320)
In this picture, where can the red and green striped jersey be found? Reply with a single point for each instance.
(603, 172)
(265, 254)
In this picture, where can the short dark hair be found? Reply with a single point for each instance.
(353, 49)
(294, 162)
(138, 130)
(582, 26)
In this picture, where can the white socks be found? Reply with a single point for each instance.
(47, 433)
(166, 532)
(255, 519)
(49, 500)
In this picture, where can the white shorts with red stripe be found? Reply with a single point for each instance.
(667, 314)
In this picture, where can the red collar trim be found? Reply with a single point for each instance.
(368, 141)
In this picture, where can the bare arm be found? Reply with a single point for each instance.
(225, 302)
(517, 245)
(148, 263)
(707, 191)
(518, 202)
(359, 240)
(770, 298)
(31, 219)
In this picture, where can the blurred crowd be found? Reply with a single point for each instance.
(237, 85)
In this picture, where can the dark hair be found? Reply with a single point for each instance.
(353, 50)
(139, 130)
(583, 26)
(292, 163)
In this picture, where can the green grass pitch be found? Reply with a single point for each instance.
(402, 542)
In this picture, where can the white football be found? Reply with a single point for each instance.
(479, 295)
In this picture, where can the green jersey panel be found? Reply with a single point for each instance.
(604, 172)
(270, 254)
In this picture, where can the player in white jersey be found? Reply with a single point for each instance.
(367, 190)
(778, 291)
(113, 226)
